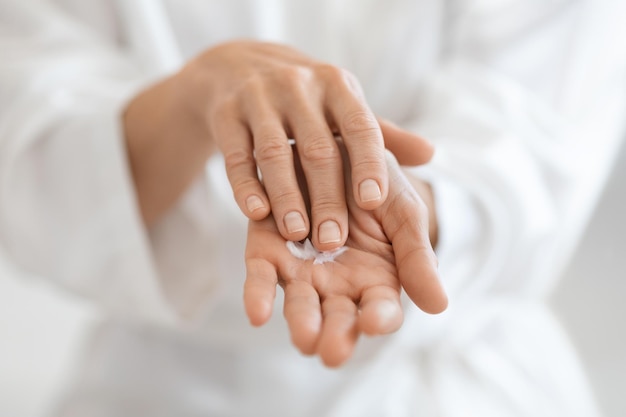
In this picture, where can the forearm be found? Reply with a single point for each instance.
(167, 147)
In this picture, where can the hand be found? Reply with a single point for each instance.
(246, 99)
(327, 306)
(257, 95)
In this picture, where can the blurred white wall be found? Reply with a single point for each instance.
(41, 334)
(591, 298)
(41, 329)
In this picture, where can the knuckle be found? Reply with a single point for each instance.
(412, 208)
(237, 159)
(299, 88)
(282, 198)
(222, 112)
(319, 148)
(331, 73)
(360, 123)
(368, 164)
(407, 200)
(283, 195)
(250, 86)
(272, 147)
(241, 185)
(404, 202)
(253, 82)
(418, 251)
(327, 204)
(295, 75)
(328, 195)
(340, 78)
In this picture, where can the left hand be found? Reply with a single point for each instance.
(328, 305)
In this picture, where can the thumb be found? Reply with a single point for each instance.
(406, 224)
(408, 148)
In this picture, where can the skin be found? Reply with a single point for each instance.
(245, 99)
(328, 306)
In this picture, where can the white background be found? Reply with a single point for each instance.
(42, 330)
(592, 297)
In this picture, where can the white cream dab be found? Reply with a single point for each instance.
(307, 251)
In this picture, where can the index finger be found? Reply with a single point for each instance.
(362, 137)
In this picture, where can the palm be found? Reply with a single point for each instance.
(328, 305)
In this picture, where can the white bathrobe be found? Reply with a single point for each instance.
(524, 99)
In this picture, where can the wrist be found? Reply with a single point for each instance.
(167, 146)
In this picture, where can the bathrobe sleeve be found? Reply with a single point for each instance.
(68, 211)
(527, 111)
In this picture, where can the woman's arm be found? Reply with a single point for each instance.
(246, 99)
(525, 110)
(68, 209)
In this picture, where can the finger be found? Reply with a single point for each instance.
(275, 160)
(320, 160)
(362, 136)
(405, 223)
(381, 310)
(339, 332)
(259, 290)
(408, 148)
(418, 272)
(303, 315)
(241, 169)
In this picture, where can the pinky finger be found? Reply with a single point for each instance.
(259, 290)
(241, 168)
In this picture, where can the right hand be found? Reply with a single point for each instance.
(328, 306)
(254, 96)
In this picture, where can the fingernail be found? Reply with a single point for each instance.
(254, 203)
(329, 232)
(369, 191)
(294, 222)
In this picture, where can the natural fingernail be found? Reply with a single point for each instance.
(369, 191)
(329, 232)
(254, 203)
(294, 222)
